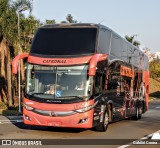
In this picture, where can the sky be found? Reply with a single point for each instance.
(125, 17)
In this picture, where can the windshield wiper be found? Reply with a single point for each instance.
(33, 94)
(81, 98)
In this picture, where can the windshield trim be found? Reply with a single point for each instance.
(79, 97)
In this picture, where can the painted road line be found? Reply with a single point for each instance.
(13, 116)
(144, 138)
(10, 121)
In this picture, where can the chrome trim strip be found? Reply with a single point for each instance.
(54, 113)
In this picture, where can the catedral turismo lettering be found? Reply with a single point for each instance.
(83, 76)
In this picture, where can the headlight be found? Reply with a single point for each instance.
(85, 109)
(28, 107)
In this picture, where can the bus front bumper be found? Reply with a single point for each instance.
(77, 120)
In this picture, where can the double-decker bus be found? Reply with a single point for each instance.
(83, 76)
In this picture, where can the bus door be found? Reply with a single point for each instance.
(99, 96)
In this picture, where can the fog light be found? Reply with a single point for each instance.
(83, 120)
(27, 118)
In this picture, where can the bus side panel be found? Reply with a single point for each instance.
(146, 85)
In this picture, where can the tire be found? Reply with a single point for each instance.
(138, 114)
(140, 110)
(102, 127)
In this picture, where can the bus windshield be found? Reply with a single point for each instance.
(52, 82)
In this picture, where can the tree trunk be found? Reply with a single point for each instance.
(3, 49)
(3, 72)
(9, 85)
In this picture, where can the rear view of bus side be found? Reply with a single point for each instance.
(83, 76)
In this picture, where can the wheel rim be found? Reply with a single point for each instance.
(140, 110)
(106, 119)
(137, 112)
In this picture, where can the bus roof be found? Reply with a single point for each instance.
(79, 39)
(70, 25)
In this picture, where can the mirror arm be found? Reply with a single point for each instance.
(16, 60)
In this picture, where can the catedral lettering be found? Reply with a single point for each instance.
(83, 76)
(54, 61)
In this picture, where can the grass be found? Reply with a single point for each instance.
(5, 111)
(154, 89)
(9, 112)
(154, 86)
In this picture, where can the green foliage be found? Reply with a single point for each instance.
(69, 19)
(3, 105)
(28, 27)
(154, 89)
(155, 69)
(131, 40)
(8, 21)
(9, 18)
(50, 21)
(18, 4)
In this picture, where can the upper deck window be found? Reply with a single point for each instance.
(64, 41)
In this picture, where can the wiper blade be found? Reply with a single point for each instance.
(78, 97)
(33, 94)
(37, 93)
(81, 98)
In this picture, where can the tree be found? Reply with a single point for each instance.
(155, 69)
(131, 40)
(69, 19)
(146, 49)
(50, 21)
(8, 31)
(28, 28)
(18, 4)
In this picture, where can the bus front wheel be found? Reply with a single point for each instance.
(102, 127)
